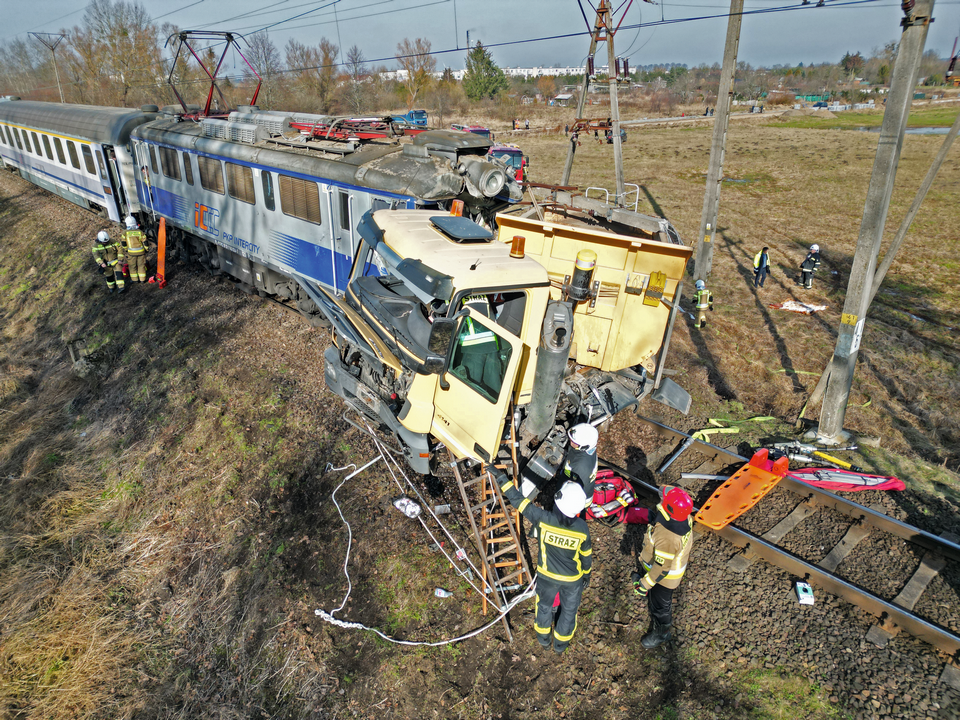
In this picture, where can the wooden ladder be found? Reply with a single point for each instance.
(495, 525)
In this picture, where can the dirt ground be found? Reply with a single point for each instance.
(171, 525)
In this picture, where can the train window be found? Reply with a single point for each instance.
(170, 163)
(9, 137)
(3, 140)
(88, 159)
(26, 140)
(266, 178)
(46, 147)
(300, 199)
(72, 151)
(59, 146)
(36, 145)
(187, 169)
(16, 134)
(103, 168)
(211, 176)
(153, 160)
(240, 183)
(344, 210)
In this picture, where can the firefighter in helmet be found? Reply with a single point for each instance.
(135, 242)
(108, 254)
(666, 549)
(809, 266)
(704, 300)
(564, 560)
(580, 464)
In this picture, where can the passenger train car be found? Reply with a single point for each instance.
(79, 152)
(270, 198)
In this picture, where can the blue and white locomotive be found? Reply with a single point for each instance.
(269, 198)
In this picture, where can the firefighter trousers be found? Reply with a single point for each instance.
(660, 604)
(114, 276)
(138, 267)
(560, 622)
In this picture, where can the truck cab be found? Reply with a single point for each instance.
(445, 324)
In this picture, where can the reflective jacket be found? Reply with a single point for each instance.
(108, 253)
(565, 551)
(666, 549)
(581, 467)
(135, 241)
(704, 299)
(761, 260)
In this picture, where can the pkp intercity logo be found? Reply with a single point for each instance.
(205, 219)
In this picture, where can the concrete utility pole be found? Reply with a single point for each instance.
(711, 199)
(860, 286)
(53, 50)
(614, 76)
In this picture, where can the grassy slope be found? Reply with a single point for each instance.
(166, 533)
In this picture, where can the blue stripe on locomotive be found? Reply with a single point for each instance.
(291, 253)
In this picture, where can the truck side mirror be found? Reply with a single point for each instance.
(441, 338)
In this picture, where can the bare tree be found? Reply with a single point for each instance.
(313, 71)
(21, 66)
(116, 54)
(265, 59)
(415, 58)
(356, 80)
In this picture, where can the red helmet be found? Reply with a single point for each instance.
(676, 502)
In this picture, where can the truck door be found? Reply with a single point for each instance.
(481, 373)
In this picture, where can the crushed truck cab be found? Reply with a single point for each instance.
(446, 327)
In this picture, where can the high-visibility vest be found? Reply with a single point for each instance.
(136, 242)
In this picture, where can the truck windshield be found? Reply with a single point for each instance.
(511, 158)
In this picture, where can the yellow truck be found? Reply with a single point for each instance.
(448, 332)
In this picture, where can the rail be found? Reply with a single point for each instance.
(754, 545)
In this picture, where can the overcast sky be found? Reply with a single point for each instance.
(513, 28)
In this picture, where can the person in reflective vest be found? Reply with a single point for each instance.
(480, 360)
(761, 265)
(666, 550)
(108, 254)
(564, 560)
(135, 242)
(704, 300)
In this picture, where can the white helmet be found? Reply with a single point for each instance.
(584, 436)
(570, 499)
(814, 248)
(103, 237)
(130, 222)
(701, 284)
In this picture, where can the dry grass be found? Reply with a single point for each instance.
(803, 186)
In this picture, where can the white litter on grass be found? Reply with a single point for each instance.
(798, 307)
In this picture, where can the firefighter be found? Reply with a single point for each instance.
(135, 243)
(564, 560)
(704, 301)
(109, 256)
(478, 359)
(580, 464)
(809, 266)
(666, 549)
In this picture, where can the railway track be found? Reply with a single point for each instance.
(827, 572)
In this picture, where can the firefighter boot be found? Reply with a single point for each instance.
(657, 635)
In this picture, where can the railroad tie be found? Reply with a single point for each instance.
(774, 535)
(856, 533)
(930, 566)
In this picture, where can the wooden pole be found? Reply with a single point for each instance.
(711, 199)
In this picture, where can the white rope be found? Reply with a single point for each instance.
(390, 461)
